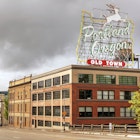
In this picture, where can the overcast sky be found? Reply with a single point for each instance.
(37, 36)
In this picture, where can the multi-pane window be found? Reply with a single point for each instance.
(126, 112)
(34, 110)
(40, 84)
(85, 78)
(48, 96)
(34, 85)
(85, 111)
(67, 110)
(56, 95)
(40, 110)
(65, 79)
(105, 79)
(56, 81)
(65, 93)
(127, 80)
(56, 111)
(40, 96)
(34, 97)
(105, 95)
(48, 110)
(106, 112)
(126, 95)
(40, 122)
(85, 94)
(56, 123)
(48, 83)
(48, 123)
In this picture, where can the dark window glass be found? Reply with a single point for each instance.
(85, 111)
(34, 97)
(40, 110)
(85, 94)
(126, 95)
(127, 80)
(33, 110)
(105, 79)
(56, 81)
(40, 84)
(48, 110)
(48, 83)
(56, 111)
(65, 93)
(40, 96)
(56, 123)
(40, 122)
(48, 96)
(48, 123)
(106, 112)
(34, 85)
(65, 79)
(85, 78)
(56, 95)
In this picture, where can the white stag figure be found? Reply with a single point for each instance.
(115, 16)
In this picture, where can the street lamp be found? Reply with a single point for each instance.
(138, 55)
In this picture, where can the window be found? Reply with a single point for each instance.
(126, 112)
(40, 84)
(56, 95)
(56, 123)
(40, 96)
(106, 112)
(85, 78)
(105, 95)
(48, 123)
(65, 79)
(85, 111)
(33, 110)
(105, 79)
(40, 122)
(48, 83)
(48, 96)
(34, 97)
(67, 110)
(56, 111)
(126, 95)
(85, 94)
(56, 81)
(65, 93)
(40, 110)
(48, 110)
(34, 85)
(127, 80)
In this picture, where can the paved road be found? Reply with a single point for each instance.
(28, 134)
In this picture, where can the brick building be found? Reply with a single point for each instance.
(19, 102)
(81, 94)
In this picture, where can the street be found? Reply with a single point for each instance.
(7, 133)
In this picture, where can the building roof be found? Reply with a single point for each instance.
(4, 92)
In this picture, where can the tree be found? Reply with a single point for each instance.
(135, 106)
(6, 108)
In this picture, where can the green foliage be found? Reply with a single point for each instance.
(6, 108)
(135, 106)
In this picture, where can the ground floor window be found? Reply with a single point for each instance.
(126, 112)
(106, 112)
(85, 111)
(48, 123)
(40, 122)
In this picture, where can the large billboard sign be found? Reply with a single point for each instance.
(106, 40)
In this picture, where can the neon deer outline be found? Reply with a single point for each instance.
(115, 16)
